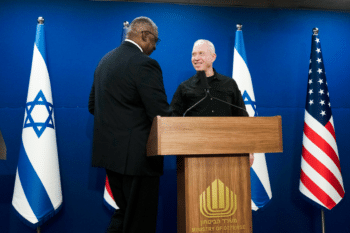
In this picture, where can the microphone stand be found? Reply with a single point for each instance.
(225, 102)
(206, 94)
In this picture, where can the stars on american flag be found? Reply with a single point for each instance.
(318, 104)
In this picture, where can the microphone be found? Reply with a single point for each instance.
(228, 103)
(206, 87)
(204, 84)
(204, 80)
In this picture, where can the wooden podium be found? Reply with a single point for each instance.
(213, 180)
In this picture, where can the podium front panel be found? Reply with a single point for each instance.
(214, 194)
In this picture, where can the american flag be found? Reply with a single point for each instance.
(320, 176)
(108, 198)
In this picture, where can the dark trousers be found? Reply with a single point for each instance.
(137, 199)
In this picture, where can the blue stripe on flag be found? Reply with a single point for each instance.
(34, 190)
(239, 45)
(108, 206)
(40, 40)
(259, 194)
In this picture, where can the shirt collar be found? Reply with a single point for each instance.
(133, 42)
(216, 76)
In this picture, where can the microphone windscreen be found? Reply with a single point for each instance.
(203, 78)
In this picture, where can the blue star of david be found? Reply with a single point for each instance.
(39, 127)
(249, 101)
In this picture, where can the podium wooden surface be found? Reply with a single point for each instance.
(213, 172)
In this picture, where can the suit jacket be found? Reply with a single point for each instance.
(127, 93)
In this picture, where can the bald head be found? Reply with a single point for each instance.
(140, 24)
(210, 45)
(144, 32)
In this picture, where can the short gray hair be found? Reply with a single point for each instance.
(210, 45)
(140, 21)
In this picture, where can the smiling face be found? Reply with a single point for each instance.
(203, 57)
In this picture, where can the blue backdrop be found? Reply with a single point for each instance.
(79, 33)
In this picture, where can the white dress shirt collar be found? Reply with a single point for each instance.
(128, 40)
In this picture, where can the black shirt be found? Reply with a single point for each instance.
(224, 88)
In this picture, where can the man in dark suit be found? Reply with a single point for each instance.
(127, 93)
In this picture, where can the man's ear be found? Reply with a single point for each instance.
(213, 57)
(144, 36)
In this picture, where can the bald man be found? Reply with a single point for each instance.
(127, 93)
(224, 88)
(190, 92)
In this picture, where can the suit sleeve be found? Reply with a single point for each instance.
(91, 105)
(150, 86)
(177, 103)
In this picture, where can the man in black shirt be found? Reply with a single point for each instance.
(191, 91)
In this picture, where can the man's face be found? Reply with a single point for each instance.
(202, 58)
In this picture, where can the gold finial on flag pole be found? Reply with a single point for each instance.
(239, 27)
(41, 20)
(315, 31)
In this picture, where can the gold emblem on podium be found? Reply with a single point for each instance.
(218, 201)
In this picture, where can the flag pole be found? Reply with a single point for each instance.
(315, 32)
(2, 148)
(323, 222)
(125, 29)
(40, 21)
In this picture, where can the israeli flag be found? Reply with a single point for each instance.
(37, 194)
(259, 177)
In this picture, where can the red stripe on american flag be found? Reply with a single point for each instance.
(330, 128)
(316, 191)
(323, 171)
(108, 188)
(322, 144)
